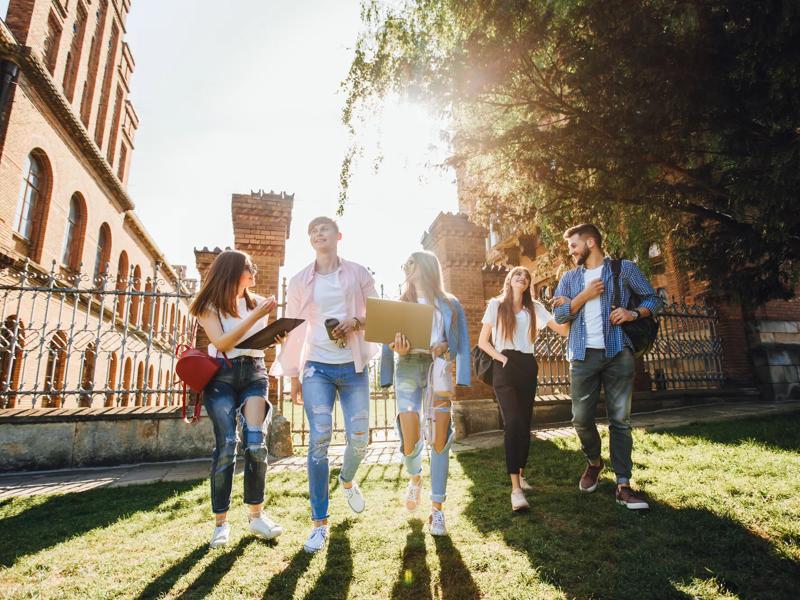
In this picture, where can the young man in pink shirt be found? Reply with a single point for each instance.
(322, 362)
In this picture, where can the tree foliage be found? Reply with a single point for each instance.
(652, 118)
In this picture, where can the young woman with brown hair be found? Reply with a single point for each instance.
(508, 335)
(229, 313)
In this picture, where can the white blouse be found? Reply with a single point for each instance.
(520, 340)
(230, 322)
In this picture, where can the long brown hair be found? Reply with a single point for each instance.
(506, 319)
(430, 282)
(221, 286)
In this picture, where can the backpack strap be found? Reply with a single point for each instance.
(225, 356)
(616, 270)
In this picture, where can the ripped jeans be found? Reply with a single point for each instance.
(321, 382)
(410, 381)
(224, 399)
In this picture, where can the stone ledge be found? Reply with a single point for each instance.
(19, 416)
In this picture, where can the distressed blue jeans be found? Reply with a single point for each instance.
(224, 397)
(410, 383)
(321, 383)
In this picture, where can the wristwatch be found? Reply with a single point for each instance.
(636, 314)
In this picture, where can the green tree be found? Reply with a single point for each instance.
(652, 118)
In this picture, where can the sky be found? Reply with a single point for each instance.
(244, 95)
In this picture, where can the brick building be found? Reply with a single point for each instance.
(66, 142)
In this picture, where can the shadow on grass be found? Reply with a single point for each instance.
(588, 546)
(216, 570)
(284, 583)
(62, 517)
(457, 582)
(778, 432)
(414, 578)
(164, 582)
(334, 583)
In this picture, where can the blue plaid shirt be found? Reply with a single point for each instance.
(630, 279)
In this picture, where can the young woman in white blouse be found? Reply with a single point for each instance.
(508, 335)
(229, 313)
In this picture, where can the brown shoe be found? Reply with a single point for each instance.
(632, 499)
(588, 482)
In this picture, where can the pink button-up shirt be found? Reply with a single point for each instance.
(357, 284)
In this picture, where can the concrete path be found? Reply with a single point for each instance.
(79, 480)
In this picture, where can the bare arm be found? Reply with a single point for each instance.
(226, 340)
(561, 329)
(486, 345)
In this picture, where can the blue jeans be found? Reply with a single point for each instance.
(616, 375)
(224, 397)
(321, 382)
(410, 383)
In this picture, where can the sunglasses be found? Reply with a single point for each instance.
(251, 268)
(408, 264)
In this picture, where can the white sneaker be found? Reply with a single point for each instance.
(265, 528)
(354, 497)
(436, 522)
(412, 494)
(316, 540)
(524, 485)
(220, 536)
(518, 501)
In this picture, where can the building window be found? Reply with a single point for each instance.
(103, 253)
(12, 343)
(29, 197)
(51, 42)
(74, 54)
(87, 379)
(55, 371)
(76, 230)
(111, 380)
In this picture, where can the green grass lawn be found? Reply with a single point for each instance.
(725, 523)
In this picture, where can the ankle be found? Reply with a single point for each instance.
(220, 520)
(415, 479)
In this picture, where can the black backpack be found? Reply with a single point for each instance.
(643, 331)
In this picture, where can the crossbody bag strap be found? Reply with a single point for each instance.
(225, 356)
(616, 269)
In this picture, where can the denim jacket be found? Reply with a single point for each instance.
(457, 338)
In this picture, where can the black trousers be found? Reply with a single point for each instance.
(515, 388)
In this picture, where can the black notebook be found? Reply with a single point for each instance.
(266, 337)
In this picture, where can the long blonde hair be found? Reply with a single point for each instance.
(506, 319)
(430, 282)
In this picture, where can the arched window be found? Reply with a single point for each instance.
(111, 380)
(148, 305)
(30, 196)
(87, 377)
(133, 315)
(103, 253)
(72, 249)
(151, 397)
(122, 282)
(127, 374)
(55, 371)
(12, 343)
(139, 383)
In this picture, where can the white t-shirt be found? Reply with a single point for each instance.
(521, 339)
(437, 329)
(593, 312)
(331, 303)
(229, 323)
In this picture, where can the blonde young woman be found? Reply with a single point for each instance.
(508, 335)
(229, 313)
(410, 370)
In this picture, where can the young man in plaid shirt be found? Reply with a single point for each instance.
(600, 353)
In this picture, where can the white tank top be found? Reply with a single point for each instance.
(229, 322)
